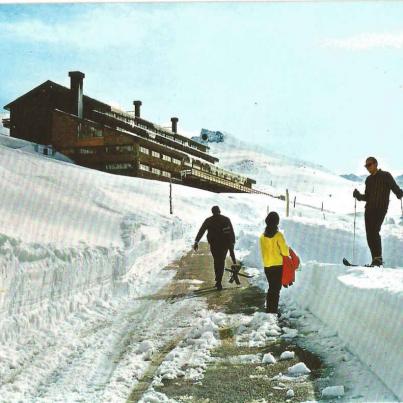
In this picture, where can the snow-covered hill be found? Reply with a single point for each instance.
(74, 239)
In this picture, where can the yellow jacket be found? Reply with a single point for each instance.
(273, 249)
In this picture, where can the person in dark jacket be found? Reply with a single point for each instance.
(377, 191)
(221, 237)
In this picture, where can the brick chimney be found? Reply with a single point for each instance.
(137, 105)
(76, 88)
(174, 124)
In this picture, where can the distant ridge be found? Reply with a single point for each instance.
(354, 178)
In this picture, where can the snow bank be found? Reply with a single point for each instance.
(27, 146)
(363, 306)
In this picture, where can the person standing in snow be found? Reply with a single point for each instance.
(273, 248)
(377, 190)
(221, 237)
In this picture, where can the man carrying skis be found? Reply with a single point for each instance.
(377, 190)
(221, 237)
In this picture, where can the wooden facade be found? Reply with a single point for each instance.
(97, 136)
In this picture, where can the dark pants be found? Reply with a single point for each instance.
(219, 253)
(273, 275)
(373, 222)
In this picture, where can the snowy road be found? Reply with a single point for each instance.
(129, 348)
(109, 356)
(100, 360)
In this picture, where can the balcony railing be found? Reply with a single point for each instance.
(6, 123)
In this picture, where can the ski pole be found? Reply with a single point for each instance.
(355, 215)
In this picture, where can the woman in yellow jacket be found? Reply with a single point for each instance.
(273, 247)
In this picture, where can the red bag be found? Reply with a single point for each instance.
(290, 264)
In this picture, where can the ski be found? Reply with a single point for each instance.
(241, 274)
(347, 263)
(235, 273)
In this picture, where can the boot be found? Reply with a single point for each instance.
(377, 261)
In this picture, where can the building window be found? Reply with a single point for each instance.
(118, 166)
(166, 158)
(166, 174)
(156, 154)
(144, 167)
(86, 151)
(156, 171)
(176, 161)
(144, 150)
(96, 132)
(89, 131)
(123, 149)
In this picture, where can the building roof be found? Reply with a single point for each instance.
(51, 85)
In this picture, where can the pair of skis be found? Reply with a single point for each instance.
(235, 273)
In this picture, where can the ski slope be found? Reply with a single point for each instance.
(77, 246)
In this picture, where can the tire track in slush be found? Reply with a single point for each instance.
(87, 375)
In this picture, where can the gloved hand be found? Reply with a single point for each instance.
(195, 246)
(356, 194)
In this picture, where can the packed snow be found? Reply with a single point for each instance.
(80, 249)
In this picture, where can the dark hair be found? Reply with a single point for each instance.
(373, 159)
(215, 210)
(272, 220)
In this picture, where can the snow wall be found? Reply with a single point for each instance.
(363, 306)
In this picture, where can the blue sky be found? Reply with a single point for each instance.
(319, 81)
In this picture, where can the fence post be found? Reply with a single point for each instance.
(170, 196)
(287, 201)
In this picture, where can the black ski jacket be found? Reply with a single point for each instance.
(377, 190)
(219, 231)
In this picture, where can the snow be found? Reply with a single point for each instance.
(268, 359)
(287, 355)
(299, 369)
(189, 358)
(258, 330)
(333, 391)
(365, 299)
(79, 249)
